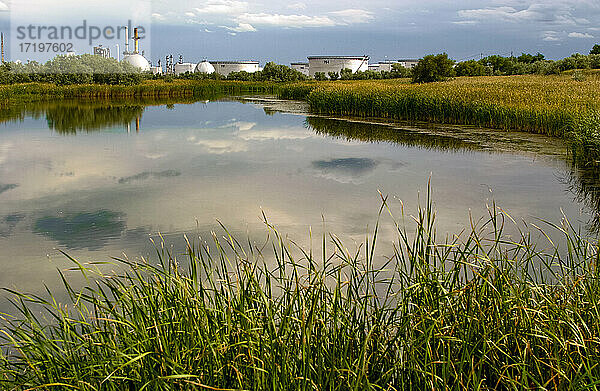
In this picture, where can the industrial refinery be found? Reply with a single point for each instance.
(323, 64)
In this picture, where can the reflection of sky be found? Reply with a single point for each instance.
(99, 194)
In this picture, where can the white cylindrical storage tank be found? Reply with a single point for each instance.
(328, 64)
(138, 61)
(224, 68)
(181, 68)
(205, 67)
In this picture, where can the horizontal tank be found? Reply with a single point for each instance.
(224, 68)
(301, 67)
(326, 64)
(181, 68)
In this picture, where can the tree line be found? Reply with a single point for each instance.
(440, 67)
(91, 69)
(64, 70)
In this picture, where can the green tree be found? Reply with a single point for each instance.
(333, 75)
(399, 71)
(433, 68)
(595, 49)
(470, 68)
(320, 76)
(346, 74)
(527, 58)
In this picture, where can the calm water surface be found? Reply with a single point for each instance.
(82, 179)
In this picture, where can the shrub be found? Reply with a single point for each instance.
(320, 76)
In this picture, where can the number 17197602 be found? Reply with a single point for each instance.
(56, 47)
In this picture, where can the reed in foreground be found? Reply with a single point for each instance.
(472, 312)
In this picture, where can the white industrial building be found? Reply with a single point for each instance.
(408, 63)
(156, 70)
(301, 67)
(386, 66)
(328, 64)
(183, 67)
(224, 68)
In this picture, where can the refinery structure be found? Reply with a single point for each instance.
(323, 64)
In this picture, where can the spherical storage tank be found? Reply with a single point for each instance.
(138, 61)
(205, 67)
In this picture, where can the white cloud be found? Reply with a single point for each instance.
(297, 6)
(552, 12)
(465, 22)
(5, 148)
(219, 147)
(551, 36)
(241, 28)
(222, 7)
(293, 21)
(275, 134)
(3, 6)
(580, 35)
(243, 126)
(353, 16)
(157, 16)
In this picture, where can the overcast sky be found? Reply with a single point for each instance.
(286, 31)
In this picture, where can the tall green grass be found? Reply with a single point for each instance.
(476, 311)
(11, 94)
(556, 105)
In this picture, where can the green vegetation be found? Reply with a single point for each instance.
(433, 68)
(368, 132)
(526, 64)
(320, 76)
(553, 105)
(19, 93)
(271, 72)
(470, 68)
(65, 70)
(475, 311)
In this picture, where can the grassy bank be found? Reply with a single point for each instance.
(18, 93)
(552, 105)
(476, 312)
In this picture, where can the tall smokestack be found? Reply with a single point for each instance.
(2, 34)
(136, 39)
(126, 40)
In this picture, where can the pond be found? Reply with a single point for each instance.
(99, 180)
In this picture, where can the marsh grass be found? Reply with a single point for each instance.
(552, 105)
(17, 93)
(475, 311)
